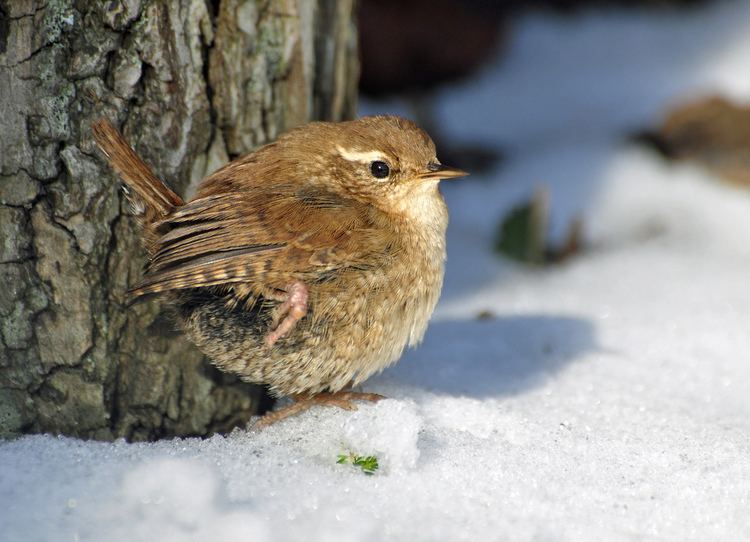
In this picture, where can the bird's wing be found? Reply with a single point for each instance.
(265, 238)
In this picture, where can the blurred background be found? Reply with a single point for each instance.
(549, 103)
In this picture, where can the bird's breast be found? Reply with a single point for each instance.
(370, 316)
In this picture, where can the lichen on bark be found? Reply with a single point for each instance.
(190, 83)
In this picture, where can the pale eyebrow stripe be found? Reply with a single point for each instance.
(360, 156)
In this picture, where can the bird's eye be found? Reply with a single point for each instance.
(379, 169)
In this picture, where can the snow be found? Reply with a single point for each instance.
(606, 399)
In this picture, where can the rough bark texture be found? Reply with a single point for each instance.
(190, 83)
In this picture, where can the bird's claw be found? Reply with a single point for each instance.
(292, 309)
(342, 399)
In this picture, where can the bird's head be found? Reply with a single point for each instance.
(384, 160)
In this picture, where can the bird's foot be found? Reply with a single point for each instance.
(341, 399)
(292, 309)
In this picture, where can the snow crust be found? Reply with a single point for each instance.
(605, 400)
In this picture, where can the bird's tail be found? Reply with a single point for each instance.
(147, 190)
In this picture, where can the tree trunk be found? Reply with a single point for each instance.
(191, 84)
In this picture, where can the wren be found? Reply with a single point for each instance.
(307, 265)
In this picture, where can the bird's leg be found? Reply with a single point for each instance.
(292, 308)
(302, 402)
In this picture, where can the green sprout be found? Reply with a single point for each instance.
(368, 464)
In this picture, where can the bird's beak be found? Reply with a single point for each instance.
(435, 172)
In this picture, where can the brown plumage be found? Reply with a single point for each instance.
(307, 265)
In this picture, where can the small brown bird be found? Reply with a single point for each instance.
(307, 265)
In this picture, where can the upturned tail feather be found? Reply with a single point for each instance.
(135, 173)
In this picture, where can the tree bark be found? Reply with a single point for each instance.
(191, 83)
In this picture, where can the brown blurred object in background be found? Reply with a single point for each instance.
(413, 46)
(713, 132)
